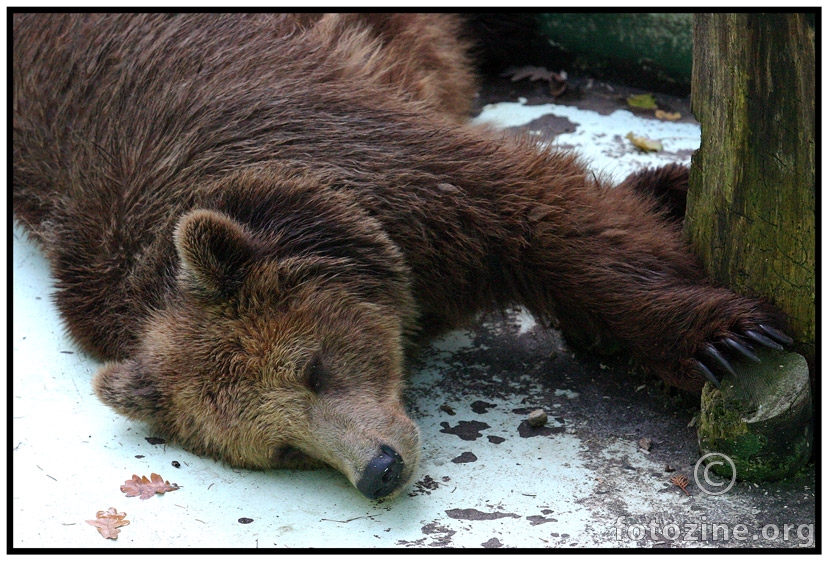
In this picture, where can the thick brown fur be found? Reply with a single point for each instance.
(667, 185)
(252, 217)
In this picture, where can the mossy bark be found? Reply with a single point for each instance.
(750, 211)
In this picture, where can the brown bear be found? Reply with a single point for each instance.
(253, 218)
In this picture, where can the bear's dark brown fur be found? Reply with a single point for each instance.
(252, 217)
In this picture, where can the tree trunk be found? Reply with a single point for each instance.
(750, 216)
(750, 211)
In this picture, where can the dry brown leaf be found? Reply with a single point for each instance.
(532, 72)
(145, 488)
(645, 144)
(681, 481)
(664, 116)
(557, 81)
(108, 521)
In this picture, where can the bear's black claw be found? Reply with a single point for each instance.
(742, 349)
(776, 334)
(714, 353)
(707, 373)
(762, 340)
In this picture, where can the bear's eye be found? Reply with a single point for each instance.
(288, 457)
(315, 374)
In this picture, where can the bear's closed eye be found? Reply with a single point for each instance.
(315, 374)
(289, 456)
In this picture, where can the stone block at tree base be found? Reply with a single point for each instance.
(761, 418)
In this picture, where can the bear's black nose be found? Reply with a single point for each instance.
(382, 474)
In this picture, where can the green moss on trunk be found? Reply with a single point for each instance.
(750, 211)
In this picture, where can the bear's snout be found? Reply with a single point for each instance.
(382, 475)
(372, 442)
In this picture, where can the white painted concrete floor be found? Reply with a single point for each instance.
(485, 480)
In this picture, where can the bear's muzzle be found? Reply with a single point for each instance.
(382, 475)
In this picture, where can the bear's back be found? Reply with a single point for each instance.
(120, 112)
(124, 122)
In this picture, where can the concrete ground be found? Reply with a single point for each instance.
(597, 475)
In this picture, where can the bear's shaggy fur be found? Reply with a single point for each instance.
(252, 218)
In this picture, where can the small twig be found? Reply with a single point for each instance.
(371, 516)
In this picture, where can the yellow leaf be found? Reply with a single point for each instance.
(642, 101)
(645, 144)
(663, 115)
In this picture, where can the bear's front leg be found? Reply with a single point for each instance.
(605, 262)
(487, 221)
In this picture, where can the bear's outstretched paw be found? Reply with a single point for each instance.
(769, 337)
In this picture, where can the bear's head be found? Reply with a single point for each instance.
(266, 362)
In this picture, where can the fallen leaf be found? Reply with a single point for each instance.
(642, 101)
(681, 481)
(107, 522)
(144, 488)
(532, 72)
(664, 116)
(557, 80)
(645, 144)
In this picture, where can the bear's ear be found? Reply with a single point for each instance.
(128, 389)
(215, 252)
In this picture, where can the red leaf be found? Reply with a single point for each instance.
(107, 522)
(144, 488)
